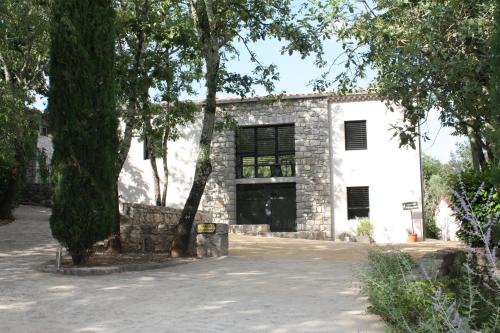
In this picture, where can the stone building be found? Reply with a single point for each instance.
(306, 165)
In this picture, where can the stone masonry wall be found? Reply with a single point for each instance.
(150, 228)
(310, 117)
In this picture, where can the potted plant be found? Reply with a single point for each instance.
(364, 231)
(412, 236)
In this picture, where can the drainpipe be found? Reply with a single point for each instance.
(422, 189)
(330, 163)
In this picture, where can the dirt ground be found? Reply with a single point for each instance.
(264, 285)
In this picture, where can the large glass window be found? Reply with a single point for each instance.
(265, 151)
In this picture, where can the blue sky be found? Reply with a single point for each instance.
(295, 75)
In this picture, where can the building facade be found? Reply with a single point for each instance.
(310, 164)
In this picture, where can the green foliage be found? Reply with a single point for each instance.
(221, 28)
(18, 133)
(23, 62)
(492, 132)
(484, 205)
(394, 293)
(457, 302)
(435, 176)
(24, 45)
(43, 166)
(427, 55)
(365, 228)
(155, 50)
(83, 122)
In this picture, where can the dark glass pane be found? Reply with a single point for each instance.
(287, 164)
(272, 204)
(358, 213)
(245, 140)
(261, 143)
(266, 147)
(248, 167)
(358, 201)
(286, 139)
(355, 135)
(266, 133)
(265, 171)
(357, 197)
(287, 170)
(247, 160)
(266, 160)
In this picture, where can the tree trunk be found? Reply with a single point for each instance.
(116, 245)
(156, 176)
(165, 167)
(478, 158)
(7, 199)
(124, 147)
(203, 170)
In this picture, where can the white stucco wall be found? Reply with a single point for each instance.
(392, 173)
(446, 222)
(136, 178)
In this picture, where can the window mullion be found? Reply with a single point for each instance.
(255, 154)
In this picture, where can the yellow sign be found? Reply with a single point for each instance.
(205, 228)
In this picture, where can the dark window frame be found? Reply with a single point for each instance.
(355, 143)
(276, 166)
(352, 208)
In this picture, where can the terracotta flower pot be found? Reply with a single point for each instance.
(412, 238)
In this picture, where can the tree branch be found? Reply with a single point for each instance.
(6, 72)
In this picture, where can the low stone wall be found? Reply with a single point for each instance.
(36, 194)
(144, 214)
(249, 229)
(150, 228)
(211, 245)
(263, 230)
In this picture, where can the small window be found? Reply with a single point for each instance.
(358, 202)
(355, 135)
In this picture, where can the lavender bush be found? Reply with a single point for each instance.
(466, 300)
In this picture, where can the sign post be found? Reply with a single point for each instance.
(411, 205)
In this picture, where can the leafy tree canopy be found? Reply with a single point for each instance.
(426, 55)
(24, 44)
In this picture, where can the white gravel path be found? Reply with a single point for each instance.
(245, 292)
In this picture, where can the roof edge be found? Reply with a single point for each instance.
(356, 96)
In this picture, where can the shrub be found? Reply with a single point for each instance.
(84, 123)
(483, 206)
(365, 229)
(395, 293)
(466, 299)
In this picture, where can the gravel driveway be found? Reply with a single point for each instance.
(265, 285)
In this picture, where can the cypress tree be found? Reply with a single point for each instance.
(84, 123)
(495, 95)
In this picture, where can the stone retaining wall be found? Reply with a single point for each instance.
(36, 194)
(150, 228)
